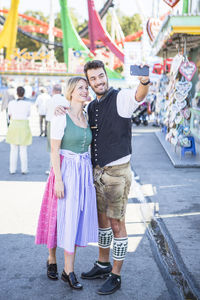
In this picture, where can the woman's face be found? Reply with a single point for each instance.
(80, 93)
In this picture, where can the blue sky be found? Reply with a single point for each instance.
(129, 7)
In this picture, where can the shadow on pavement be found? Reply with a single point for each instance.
(23, 272)
(38, 162)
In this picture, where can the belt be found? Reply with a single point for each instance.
(121, 166)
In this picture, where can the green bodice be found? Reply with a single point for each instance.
(76, 139)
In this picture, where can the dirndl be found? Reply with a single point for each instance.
(19, 133)
(70, 221)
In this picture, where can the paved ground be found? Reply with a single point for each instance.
(22, 267)
(177, 192)
(23, 270)
(23, 273)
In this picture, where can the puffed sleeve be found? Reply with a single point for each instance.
(58, 125)
(126, 102)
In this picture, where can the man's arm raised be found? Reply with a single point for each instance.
(143, 88)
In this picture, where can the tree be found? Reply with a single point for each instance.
(131, 25)
(24, 41)
(128, 24)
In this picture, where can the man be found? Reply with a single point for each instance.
(56, 99)
(40, 103)
(110, 120)
(28, 89)
(7, 95)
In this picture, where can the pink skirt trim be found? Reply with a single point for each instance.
(47, 223)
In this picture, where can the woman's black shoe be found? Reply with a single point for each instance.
(52, 272)
(72, 280)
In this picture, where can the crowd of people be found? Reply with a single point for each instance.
(87, 189)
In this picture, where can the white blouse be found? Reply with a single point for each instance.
(19, 109)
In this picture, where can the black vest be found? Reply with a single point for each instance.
(111, 134)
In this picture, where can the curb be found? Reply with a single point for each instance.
(180, 283)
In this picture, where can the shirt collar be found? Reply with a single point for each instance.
(105, 95)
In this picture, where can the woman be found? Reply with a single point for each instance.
(19, 134)
(69, 205)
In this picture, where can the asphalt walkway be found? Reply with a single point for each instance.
(177, 192)
(23, 264)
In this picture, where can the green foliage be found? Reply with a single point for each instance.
(58, 50)
(128, 24)
(24, 41)
(36, 14)
(31, 45)
(119, 70)
(131, 25)
(59, 54)
(58, 21)
(81, 26)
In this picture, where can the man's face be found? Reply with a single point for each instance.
(98, 81)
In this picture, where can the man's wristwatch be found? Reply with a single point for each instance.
(145, 83)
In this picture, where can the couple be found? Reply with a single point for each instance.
(68, 216)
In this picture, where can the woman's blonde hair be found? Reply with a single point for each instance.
(71, 84)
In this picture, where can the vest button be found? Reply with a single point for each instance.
(95, 159)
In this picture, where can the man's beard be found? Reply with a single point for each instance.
(103, 92)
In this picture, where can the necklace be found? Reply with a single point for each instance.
(76, 116)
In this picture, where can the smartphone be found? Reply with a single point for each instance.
(136, 70)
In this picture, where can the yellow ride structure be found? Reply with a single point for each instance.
(9, 33)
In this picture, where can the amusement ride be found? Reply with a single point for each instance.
(76, 48)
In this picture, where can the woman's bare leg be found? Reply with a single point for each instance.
(69, 262)
(52, 256)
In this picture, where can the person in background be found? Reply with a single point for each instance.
(56, 99)
(68, 215)
(19, 134)
(7, 96)
(28, 90)
(41, 104)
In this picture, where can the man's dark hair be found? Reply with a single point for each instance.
(20, 91)
(93, 64)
